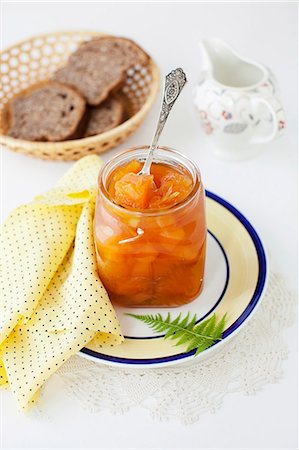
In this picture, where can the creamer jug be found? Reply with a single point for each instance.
(238, 102)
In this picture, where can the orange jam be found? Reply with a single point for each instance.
(164, 187)
(150, 232)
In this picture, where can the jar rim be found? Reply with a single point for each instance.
(197, 184)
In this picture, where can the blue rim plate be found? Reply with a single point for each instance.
(235, 281)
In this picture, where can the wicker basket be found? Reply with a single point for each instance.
(34, 60)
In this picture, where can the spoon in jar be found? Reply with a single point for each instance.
(174, 83)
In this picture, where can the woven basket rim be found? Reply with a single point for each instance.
(53, 33)
(38, 146)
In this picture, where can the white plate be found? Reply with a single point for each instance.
(235, 279)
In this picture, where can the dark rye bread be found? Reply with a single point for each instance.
(99, 66)
(102, 118)
(51, 112)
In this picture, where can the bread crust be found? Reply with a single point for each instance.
(99, 67)
(49, 111)
(104, 117)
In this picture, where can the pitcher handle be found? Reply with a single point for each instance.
(278, 118)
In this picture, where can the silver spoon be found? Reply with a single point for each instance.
(174, 83)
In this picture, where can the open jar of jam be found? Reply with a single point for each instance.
(150, 230)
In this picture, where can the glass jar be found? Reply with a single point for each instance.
(151, 258)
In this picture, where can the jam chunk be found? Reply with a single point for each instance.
(164, 188)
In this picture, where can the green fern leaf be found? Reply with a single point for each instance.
(172, 334)
(220, 327)
(185, 331)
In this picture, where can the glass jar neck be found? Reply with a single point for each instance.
(163, 155)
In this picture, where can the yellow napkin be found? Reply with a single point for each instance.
(52, 301)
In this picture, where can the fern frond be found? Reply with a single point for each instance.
(185, 331)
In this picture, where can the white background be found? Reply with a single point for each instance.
(263, 188)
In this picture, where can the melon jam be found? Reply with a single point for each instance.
(150, 230)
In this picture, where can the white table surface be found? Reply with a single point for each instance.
(263, 188)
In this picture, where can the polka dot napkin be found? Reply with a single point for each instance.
(52, 301)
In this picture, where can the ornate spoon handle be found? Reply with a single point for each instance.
(174, 83)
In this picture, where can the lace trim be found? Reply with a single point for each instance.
(246, 363)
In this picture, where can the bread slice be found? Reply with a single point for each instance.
(102, 118)
(99, 66)
(51, 112)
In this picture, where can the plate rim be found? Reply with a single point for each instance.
(233, 328)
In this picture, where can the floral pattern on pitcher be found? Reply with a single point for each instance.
(239, 106)
(232, 112)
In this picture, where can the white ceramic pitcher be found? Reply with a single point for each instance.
(238, 102)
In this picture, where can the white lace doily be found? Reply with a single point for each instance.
(249, 361)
